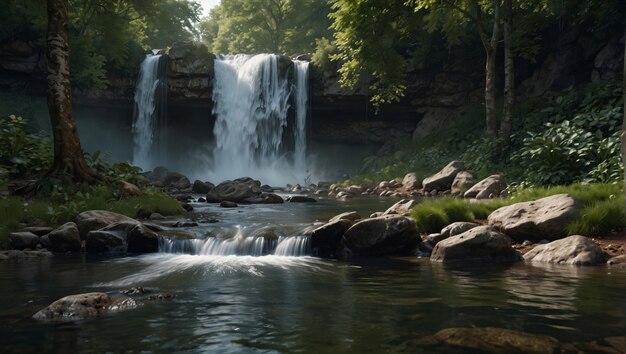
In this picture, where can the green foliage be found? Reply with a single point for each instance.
(600, 218)
(324, 50)
(261, 26)
(22, 152)
(432, 215)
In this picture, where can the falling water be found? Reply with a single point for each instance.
(238, 246)
(301, 71)
(150, 110)
(251, 98)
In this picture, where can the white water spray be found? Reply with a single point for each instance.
(150, 110)
(251, 98)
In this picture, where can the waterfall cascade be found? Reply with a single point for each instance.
(150, 111)
(238, 246)
(251, 98)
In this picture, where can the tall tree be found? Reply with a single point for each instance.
(623, 136)
(68, 162)
(509, 73)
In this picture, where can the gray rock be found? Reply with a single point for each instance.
(457, 228)
(107, 242)
(141, 239)
(384, 235)
(480, 244)
(402, 207)
(411, 181)
(351, 216)
(37, 230)
(66, 238)
(545, 218)
(619, 261)
(376, 214)
(265, 198)
(492, 185)
(82, 306)
(443, 179)
(575, 250)
(175, 180)
(202, 187)
(156, 216)
(23, 240)
(235, 191)
(97, 219)
(325, 239)
(463, 181)
(228, 204)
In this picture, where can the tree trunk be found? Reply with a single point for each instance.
(623, 136)
(490, 74)
(509, 74)
(69, 162)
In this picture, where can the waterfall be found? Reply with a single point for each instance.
(251, 96)
(238, 246)
(150, 111)
(301, 73)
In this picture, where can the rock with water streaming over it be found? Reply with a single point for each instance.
(235, 191)
(545, 218)
(66, 238)
(479, 244)
(575, 250)
(82, 306)
(384, 235)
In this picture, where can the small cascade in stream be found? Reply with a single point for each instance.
(254, 135)
(238, 246)
(150, 112)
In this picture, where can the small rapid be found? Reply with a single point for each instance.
(289, 246)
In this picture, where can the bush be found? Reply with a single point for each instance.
(600, 218)
(22, 152)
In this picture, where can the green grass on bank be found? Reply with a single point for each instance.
(57, 210)
(602, 208)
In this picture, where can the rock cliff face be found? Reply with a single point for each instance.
(337, 114)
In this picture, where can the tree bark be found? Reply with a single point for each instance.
(69, 161)
(623, 136)
(490, 73)
(509, 74)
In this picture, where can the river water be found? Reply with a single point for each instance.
(278, 304)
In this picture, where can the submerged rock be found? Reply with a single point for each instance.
(479, 244)
(442, 180)
(575, 250)
(489, 340)
(301, 199)
(82, 306)
(228, 204)
(384, 235)
(545, 218)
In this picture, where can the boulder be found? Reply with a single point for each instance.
(157, 174)
(351, 216)
(82, 306)
(265, 198)
(108, 242)
(66, 238)
(575, 250)
(201, 187)
(488, 188)
(457, 228)
(411, 181)
(37, 230)
(228, 204)
(175, 180)
(23, 240)
(235, 191)
(487, 340)
(141, 239)
(97, 219)
(479, 244)
(301, 199)
(355, 189)
(383, 235)
(325, 239)
(443, 179)
(463, 181)
(545, 218)
(403, 207)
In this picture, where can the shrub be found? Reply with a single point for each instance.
(600, 218)
(22, 152)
